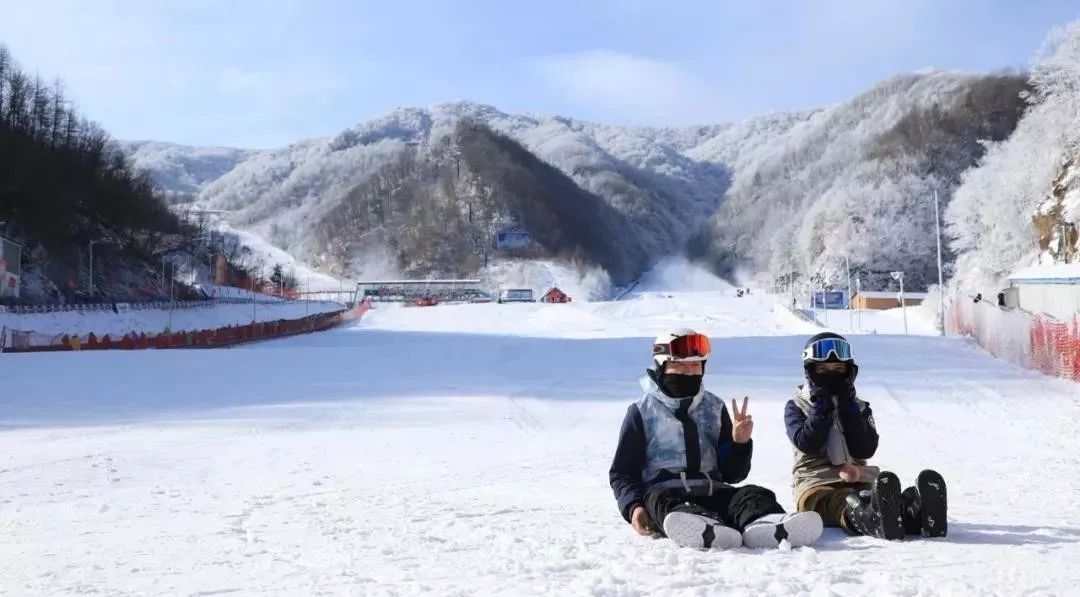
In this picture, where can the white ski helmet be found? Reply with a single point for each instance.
(680, 344)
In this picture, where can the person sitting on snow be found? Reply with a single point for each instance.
(833, 434)
(678, 452)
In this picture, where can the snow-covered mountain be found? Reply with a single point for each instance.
(645, 175)
(785, 194)
(855, 182)
(183, 170)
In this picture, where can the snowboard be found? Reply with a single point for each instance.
(886, 501)
(934, 504)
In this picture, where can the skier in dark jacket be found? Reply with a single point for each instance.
(679, 452)
(833, 433)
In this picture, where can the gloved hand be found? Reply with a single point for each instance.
(853, 372)
(846, 398)
(835, 384)
(821, 404)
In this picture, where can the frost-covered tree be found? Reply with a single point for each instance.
(990, 221)
(856, 181)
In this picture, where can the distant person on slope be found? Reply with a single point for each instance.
(833, 434)
(679, 449)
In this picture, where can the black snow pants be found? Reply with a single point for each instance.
(736, 507)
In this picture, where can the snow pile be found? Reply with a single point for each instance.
(794, 320)
(679, 274)
(920, 320)
(1049, 271)
(581, 283)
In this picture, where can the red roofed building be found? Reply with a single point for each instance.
(555, 296)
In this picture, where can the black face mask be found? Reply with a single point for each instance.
(680, 386)
(832, 383)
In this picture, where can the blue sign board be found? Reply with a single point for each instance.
(513, 238)
(831, 299)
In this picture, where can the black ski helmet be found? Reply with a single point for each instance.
(807, 362)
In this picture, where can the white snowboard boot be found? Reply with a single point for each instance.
(801, 528)
(700, 532)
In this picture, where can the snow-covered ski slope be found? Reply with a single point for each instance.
(464, 450)
(920, 320)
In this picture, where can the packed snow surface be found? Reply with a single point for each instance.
(460, 450)
(920, 320)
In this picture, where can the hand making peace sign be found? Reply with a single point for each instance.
(743, 426)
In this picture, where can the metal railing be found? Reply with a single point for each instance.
(120, 306)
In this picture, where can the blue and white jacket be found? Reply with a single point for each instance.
(677, 444)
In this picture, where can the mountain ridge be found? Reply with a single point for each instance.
(729, 192)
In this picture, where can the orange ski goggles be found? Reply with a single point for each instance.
(691, 346)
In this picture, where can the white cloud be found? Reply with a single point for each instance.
(632, 88)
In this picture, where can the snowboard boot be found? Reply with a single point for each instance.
(687, 529)
(799, 529)
(877, 513)
(933, 504)
(911, 511)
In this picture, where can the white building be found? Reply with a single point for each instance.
(880, 300)
(1052, 289)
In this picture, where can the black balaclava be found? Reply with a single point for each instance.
(832, 383)
(676, 385)
(835, 384)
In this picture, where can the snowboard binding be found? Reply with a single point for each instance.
(877, 512)
(886, 513)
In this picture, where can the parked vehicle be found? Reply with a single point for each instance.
(516, 295)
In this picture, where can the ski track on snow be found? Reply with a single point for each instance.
(463, 450)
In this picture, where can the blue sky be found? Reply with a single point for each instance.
(263, 74)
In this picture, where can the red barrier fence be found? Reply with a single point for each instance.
(1027, 339)
(21, 341)
(1055, 347)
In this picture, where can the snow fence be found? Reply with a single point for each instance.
(117, 307)
(30, 341)
(1031, 340)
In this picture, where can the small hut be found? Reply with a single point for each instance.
(555, 296)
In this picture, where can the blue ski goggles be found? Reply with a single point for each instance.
(822, 349)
